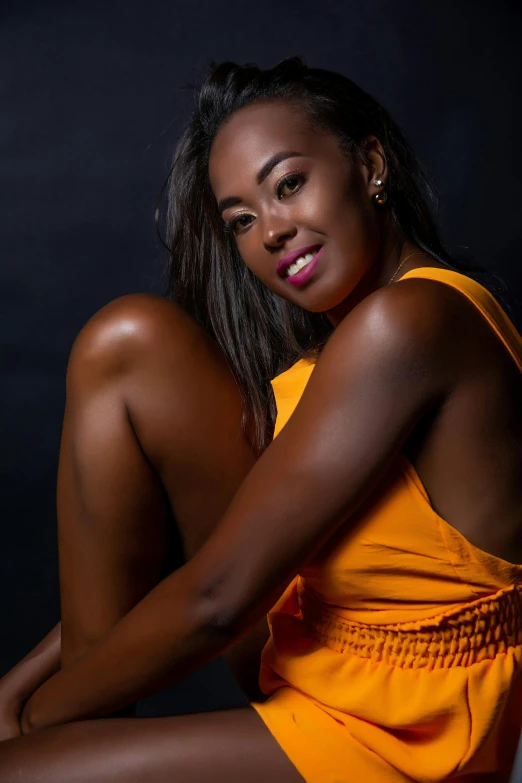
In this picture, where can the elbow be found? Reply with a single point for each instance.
(223, 608)
(224, 623)
(231, 621)
(216, 615)
(219, 616)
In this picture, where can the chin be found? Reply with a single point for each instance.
(316, 298)
(322, 301)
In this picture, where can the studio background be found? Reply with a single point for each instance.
(93, 96)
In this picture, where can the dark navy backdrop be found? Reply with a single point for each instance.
(93, 95)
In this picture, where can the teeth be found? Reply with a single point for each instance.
(294, 268)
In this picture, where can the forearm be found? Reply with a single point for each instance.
(35, 669)
(242, 657)
(165, 637)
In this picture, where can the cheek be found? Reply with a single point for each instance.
(332, 204)
(249, 248)
(356, 223)
(263, 268)
(251, 253)
(322, 205)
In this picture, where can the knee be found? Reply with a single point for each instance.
(125, 329)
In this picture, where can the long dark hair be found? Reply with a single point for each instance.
(260, 333)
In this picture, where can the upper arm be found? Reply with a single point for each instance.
(385, 365)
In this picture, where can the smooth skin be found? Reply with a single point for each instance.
(152, 417)
(411, 367)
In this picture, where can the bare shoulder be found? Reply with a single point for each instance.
(408, 329)
(131, 325)
(416, 313)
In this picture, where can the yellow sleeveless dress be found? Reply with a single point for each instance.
(395, 655)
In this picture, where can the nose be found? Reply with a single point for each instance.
(276, 229)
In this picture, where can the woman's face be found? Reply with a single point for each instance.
(284, 186)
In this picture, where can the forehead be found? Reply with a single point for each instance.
(245, 141)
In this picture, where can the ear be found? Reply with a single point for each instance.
(374, 164)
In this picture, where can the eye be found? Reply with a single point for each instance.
(230, 227)
(291, 181)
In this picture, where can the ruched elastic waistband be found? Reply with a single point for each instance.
(476, 631)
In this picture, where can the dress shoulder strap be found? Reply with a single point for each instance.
(289, 385)
(482, 299)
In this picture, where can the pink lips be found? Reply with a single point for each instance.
(306, 272)
(293, 256)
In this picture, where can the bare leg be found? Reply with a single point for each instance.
(152, 412)
(152, 421)
(231, 746)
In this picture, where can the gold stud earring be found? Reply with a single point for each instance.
(380, 198)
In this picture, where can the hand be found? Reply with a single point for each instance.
(21, 682)
(10, 713)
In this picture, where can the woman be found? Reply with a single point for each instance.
(380, 530)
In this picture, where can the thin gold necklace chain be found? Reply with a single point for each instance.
(402, 262)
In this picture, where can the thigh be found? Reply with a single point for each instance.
(231, 746)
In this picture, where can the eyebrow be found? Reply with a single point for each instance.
(262, 174)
